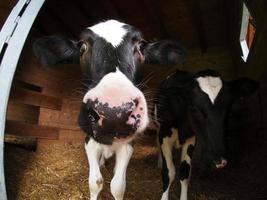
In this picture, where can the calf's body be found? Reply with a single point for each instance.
(190, 108)
(113, 109)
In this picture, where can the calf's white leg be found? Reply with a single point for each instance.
(118, 182)
(168, 168)
(185, 167)
(94, 152)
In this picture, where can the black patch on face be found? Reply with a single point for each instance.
(184, 171)
(190, 150)
(106, 58)
(84, 121)
(114, 121)
(164, 173)
(103, 60)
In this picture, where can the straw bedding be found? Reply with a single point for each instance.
(60, 172)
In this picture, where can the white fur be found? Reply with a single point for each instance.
(96, 153)
(184, 189)
(118, 182)
(166, 148)
(112, 31)
(185, 157)
(210, 85)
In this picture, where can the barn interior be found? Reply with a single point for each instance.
(227, 36)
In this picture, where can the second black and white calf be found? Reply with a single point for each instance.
(113, 110)
(190, 108)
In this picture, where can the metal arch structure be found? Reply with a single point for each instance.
(12, 38)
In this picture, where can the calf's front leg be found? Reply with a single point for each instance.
(94, 152)
(168, 168)
(118, 182)
(185, 167)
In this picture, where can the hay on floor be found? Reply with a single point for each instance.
(61, 173)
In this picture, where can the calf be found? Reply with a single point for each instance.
(113, 110)
(192, 107)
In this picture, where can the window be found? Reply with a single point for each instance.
(248, 29)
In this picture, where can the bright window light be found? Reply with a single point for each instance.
(247, 32)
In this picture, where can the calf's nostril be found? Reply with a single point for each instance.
(220, 163)
(133, 116)
(136, 102)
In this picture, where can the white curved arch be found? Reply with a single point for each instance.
(12, 38)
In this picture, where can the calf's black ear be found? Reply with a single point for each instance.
(164, 52)
(52, 50)
(244, 87)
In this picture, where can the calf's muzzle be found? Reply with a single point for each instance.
(117, 108)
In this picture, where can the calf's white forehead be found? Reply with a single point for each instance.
(112, 31)
(210, 85)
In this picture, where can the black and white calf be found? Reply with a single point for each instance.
(190, 108)
(113, 110)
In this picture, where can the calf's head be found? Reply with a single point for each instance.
(212, 101)
(111, 55)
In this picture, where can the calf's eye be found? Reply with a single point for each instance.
(83, 48)
(139, 50)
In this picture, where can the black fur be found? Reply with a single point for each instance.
(184, 170)
(164, 174)
(190, 150)
(52, 50)
(183, 105)
(165, 53)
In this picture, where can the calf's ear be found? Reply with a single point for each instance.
(52, 50)
(164, 52)
(244, 87)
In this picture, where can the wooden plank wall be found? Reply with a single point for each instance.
(5, 8)
(215, 58)
(44, 102)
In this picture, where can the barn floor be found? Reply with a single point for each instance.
(60, 172)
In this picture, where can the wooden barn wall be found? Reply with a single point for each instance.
(255, 66)
(216, 58)
(5, 8)
(44, 102)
